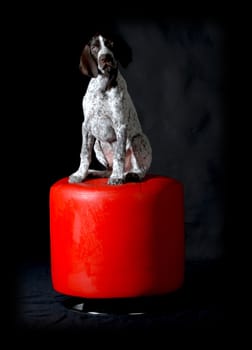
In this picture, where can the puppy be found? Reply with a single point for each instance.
(111, 126)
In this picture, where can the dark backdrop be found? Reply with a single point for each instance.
(177, 82)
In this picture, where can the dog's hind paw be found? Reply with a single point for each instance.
(132, 177)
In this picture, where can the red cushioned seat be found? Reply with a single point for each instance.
(117, 241)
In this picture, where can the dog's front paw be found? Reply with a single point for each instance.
(115, 181)
(75, 178)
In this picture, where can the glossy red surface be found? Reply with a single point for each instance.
(117, 241)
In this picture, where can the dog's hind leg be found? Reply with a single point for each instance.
(140, 159)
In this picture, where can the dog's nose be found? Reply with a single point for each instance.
(106, 58)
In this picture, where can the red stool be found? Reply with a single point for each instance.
(117, 241)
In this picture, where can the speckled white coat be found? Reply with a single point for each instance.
(112, 127)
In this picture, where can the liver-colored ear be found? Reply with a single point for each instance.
(88, 65)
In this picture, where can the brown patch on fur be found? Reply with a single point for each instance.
(88, 66)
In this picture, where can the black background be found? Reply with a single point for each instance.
(179, 82)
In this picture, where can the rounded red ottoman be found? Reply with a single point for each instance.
(117, 241)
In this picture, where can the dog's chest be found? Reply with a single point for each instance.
(98, 102)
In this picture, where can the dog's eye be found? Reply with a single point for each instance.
(109, 44)
(95, 47)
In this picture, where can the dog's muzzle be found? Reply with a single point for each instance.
(106, 62)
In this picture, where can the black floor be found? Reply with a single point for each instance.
(198, 305)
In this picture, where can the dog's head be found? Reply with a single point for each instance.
(102, 55)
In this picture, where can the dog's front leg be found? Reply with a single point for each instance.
(119, 151)
(85, 156)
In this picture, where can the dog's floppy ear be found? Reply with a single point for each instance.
(87, 65)
(123, 51)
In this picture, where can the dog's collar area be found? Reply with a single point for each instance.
(111, 78)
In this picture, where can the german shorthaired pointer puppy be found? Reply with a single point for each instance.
(111, 126)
